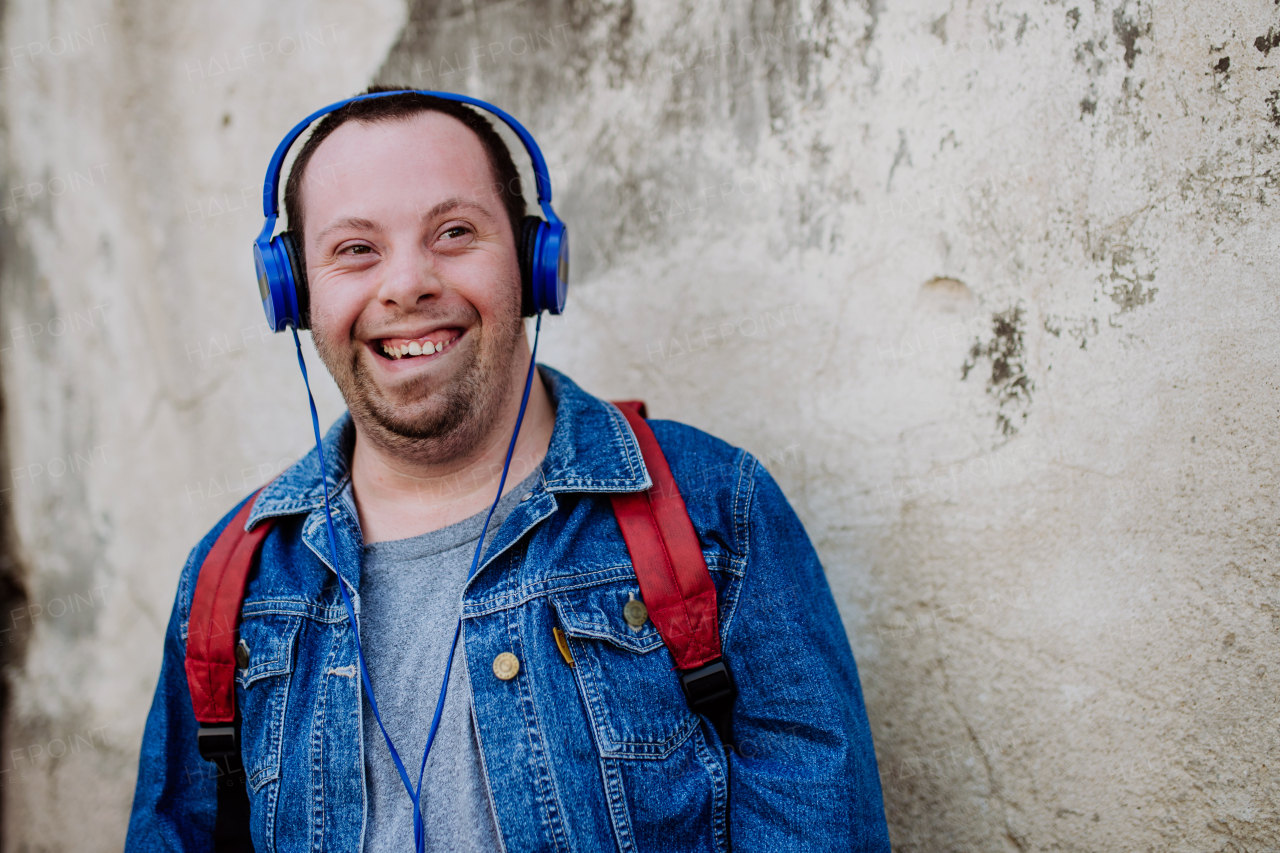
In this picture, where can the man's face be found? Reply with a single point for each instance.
(415, 286)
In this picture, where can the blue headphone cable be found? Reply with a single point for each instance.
(415, 793)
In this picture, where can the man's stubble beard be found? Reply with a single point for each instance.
(461, 412)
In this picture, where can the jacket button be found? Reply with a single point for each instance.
(242, 655)
(506, 665)
(635, 613)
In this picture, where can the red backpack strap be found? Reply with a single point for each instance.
(675, 583)
(215, 618)
(635, 406)
(211, 670)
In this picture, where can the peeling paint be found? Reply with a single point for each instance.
(1267, 42)
(1129, 25)
(1129, 283)
(1008, 382)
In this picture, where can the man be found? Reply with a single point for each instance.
(565, 726)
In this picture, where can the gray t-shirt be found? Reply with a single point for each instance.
(410, 599)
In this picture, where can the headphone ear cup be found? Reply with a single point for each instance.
(551, 268)
(298, 267)
(529, 229)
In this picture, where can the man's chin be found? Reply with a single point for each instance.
(412, 407)
(414, 419)
(438, 412)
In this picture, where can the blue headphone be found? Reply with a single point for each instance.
(542, 245)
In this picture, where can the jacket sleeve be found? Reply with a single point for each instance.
(175, 801)
(803, 774)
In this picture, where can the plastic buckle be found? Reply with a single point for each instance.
(220, 745)
(709, 689)
(217, 742)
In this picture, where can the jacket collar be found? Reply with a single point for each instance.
(592, 450)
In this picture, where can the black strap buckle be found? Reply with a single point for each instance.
(710, 691)
(217, 741)
(220, 744)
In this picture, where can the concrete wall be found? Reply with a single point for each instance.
(988, 287)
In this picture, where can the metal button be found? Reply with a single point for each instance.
(635, 613)
(526, 496)
(242, 655)
(506, 665)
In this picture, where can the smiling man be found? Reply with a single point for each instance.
(565, 726)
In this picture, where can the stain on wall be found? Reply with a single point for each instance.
(1007, 383)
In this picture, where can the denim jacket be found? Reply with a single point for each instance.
(603, 755)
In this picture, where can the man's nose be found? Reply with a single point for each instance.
(409, 278)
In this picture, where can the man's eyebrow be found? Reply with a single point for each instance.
(440, 209)
(347, 222)
(452, 204)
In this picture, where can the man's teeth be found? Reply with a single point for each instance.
(413, 348)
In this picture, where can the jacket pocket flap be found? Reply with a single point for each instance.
(268, 642)
(596, 613)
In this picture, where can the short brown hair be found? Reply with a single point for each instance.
(397, 107)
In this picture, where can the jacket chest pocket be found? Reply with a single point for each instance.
(628, 681)
(265, 653)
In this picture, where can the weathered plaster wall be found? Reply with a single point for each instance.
(988, 287)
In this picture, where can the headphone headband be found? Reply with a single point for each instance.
(271, 188)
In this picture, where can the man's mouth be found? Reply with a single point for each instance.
(432, 344)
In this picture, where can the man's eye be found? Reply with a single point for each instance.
(357, 250)
(454, 232)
